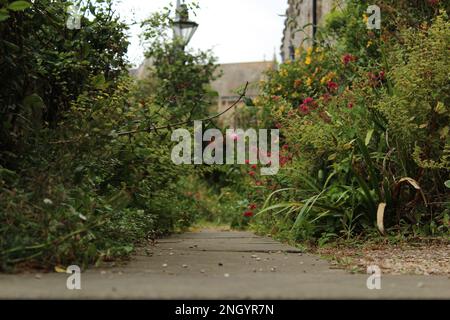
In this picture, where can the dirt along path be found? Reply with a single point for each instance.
(211, 264)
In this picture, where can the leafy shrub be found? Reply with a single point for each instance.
(361, 127)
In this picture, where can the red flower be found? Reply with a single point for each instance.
(248, 214)
(308, 100)
(254, 166)
(252, 173)
(332, 86)
(347, 58)
(350, 105)
(304, 108)
(247, 161)
(285, 147)
(278, 126)
(258, 183)
(252, 206)
(381, 75)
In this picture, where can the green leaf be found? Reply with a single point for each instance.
(440, 108)
(447, 183)
(369, 137)
(33, 101)
(99, 82)
(249, 102)
(3, 16)
(19, 5)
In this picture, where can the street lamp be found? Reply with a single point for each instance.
(183, 29)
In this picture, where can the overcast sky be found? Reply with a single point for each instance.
(236, 30)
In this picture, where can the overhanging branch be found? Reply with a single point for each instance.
(173, 125)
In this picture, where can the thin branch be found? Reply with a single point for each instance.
(153, 128)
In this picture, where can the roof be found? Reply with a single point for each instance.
(235, 76)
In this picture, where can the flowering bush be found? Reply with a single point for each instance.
(364, 122)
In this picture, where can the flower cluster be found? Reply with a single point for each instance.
(347, 58)
(307, 105)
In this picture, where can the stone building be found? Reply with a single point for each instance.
(299, 14)
(233, 78)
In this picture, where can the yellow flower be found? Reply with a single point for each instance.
(309, 51)
(365, 18)
(369, 43)
(330, 76)
(298, 52)
(283, 73)
(309, 82)
(308, 60)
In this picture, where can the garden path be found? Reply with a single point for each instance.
(212, 264)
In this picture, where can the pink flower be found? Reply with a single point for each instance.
(234, 136)
(304, 108)
(252, 206)
(308, 100)
(258, 183)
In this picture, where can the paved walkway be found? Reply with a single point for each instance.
(222, 265)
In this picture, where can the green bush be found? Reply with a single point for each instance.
(82, 178)
(363, 123)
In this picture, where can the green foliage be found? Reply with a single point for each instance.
(42, 60)
(363, 121)
(180, 79)
(81, 179)
(421, 121)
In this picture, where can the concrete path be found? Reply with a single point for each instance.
(221, 265)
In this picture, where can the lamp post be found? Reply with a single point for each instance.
(183, 28)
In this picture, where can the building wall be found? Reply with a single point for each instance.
(299, 14)
(233, 77)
